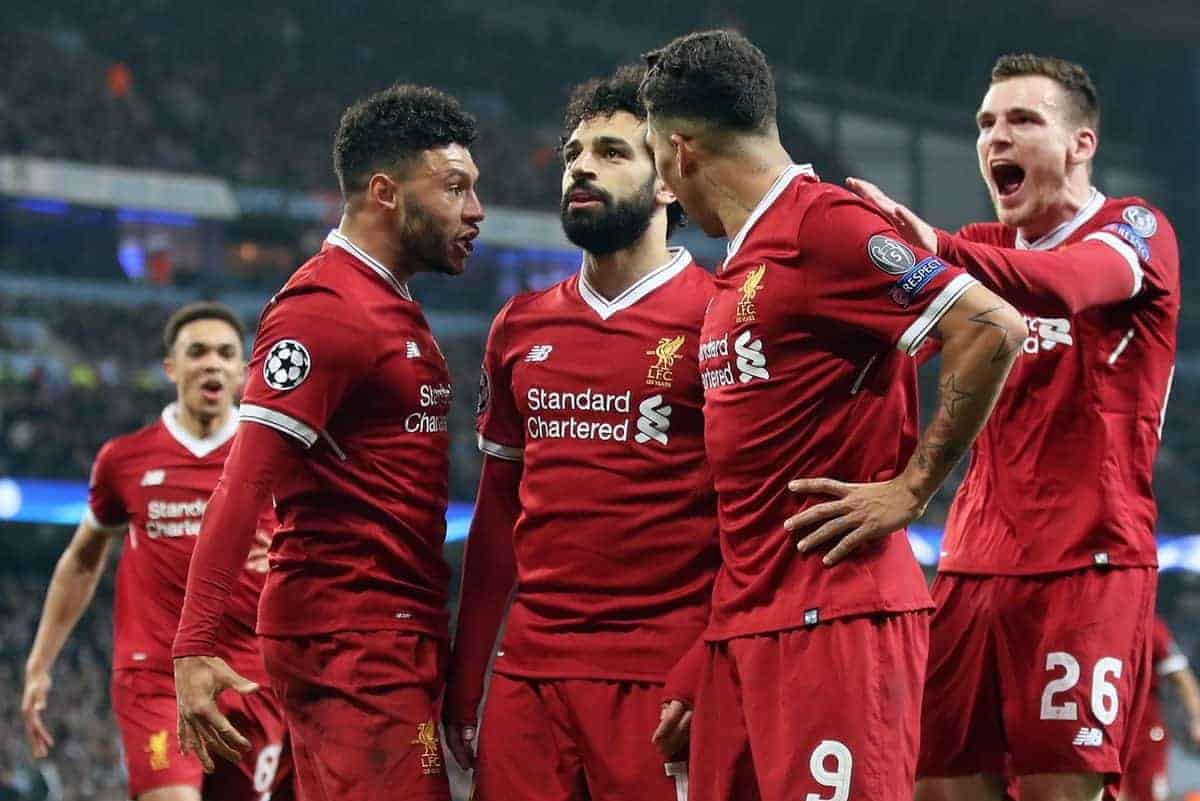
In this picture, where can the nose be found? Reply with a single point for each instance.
(581, 167)
(473, 209)
(211, 360)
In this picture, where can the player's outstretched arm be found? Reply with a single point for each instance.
(981, 337)
(70, 593)
(1105, 268)
(489, 573)
(258, 456)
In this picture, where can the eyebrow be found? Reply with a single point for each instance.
(1014, 109)
(456, 172)
(613, 141)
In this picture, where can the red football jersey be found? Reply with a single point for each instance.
(1060, 477)
(345, 363)
(616, 545)
(154, 484)
(804, 357)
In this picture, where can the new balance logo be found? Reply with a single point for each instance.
(654, 420)
(751, 362)
(1047, 333)
(539, 353)
(152, 478)
(1089, 737)
(411, 351)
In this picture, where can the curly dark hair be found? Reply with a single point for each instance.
(1073, 78)
(603, 97)
(204, 310)
(716, 77)
(389, 128)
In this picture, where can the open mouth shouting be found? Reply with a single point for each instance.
(211, 389)
(465, 244)
(1008, 177)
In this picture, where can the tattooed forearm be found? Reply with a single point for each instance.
(980, 341)
(940, 449)
(1004, 348)
(952, 396)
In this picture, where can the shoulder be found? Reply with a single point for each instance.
(833, 218)
(696, 276)
(533, 303)
(1142, 218)
(326, 285)
(125, 448)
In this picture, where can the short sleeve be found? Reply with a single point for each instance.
(106, 509)
(308, 354)
(498, 422)
(867, 278)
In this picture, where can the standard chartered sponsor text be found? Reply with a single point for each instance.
(540, 399)
(174, 518)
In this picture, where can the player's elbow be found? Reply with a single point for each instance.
(984, 328)
(1013, 331)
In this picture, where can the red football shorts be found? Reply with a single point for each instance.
(573, 740)
(362, 708)
(1036, 674)
(1145, 776)
(829, 711)
(146, 712)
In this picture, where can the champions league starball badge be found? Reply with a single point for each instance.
(287, 365)
(1141, 220)
(890, 255)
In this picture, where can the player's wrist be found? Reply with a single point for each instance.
(35, 668)
(915, 488)
(942, 242)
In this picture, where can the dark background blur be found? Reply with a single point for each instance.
(153, 153)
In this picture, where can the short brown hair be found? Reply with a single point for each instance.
(1073, 78)
(205, 310)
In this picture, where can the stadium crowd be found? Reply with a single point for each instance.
(87, 764)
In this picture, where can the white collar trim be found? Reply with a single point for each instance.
(768, 200)
(1064, 231)
(680, 259)
(339, 239)
(199, 446)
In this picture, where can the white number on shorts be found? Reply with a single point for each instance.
(837, 779)
(1069, 710)
(264, 770)
(1104, 693)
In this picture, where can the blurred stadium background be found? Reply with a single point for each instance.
(154, 153)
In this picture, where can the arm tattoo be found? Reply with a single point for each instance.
(952, 396)
(1003, 349)
(940, 448)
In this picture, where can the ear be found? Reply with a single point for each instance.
(169, 368)
(662, 195)
(384, 191)
(1083, 146)
(685, 153)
